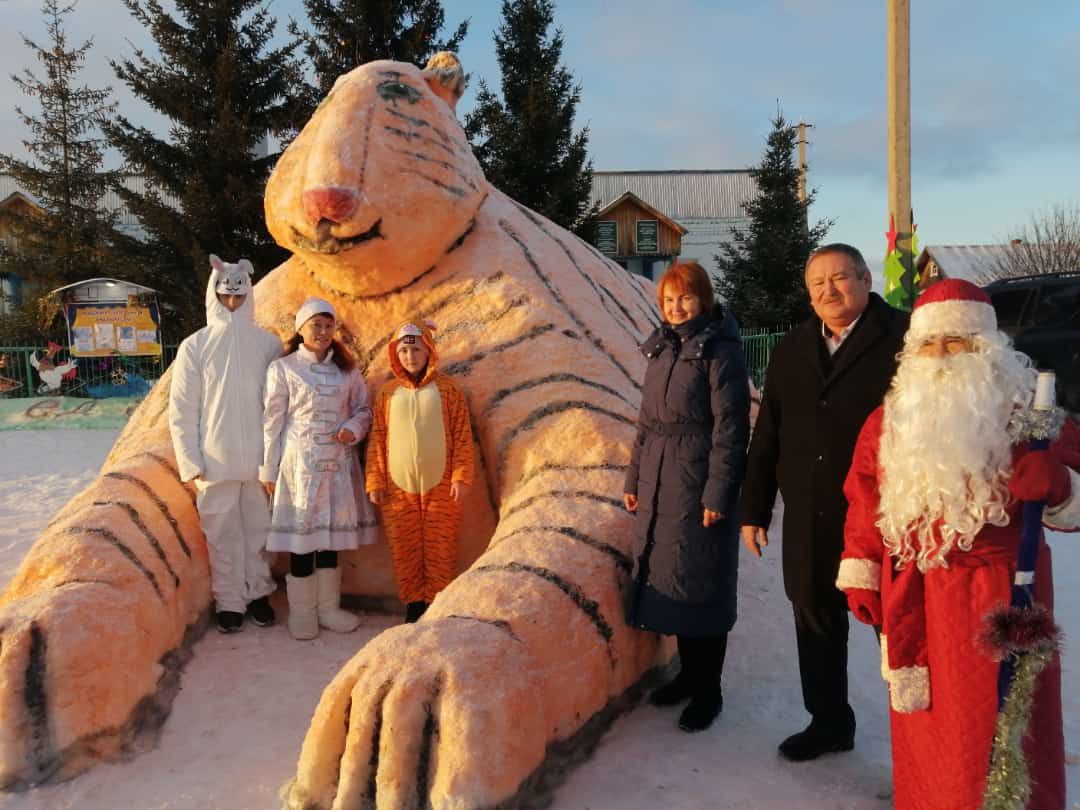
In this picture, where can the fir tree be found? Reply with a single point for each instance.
(347, 33)
(224, 91)
(74, 237)
(761, 271)
(526, 141)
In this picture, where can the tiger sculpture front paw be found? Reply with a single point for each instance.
(464, 708)
(401, 723)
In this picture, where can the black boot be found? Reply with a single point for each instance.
(820, 738)
(707, 699)
(414, 610)
(229, 621)
(262, 615)
(681, 687)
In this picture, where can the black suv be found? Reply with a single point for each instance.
(1042, 315)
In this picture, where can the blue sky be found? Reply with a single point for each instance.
(690, 84)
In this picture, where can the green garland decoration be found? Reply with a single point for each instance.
(1008, 785)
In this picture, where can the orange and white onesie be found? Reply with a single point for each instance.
(420, 443)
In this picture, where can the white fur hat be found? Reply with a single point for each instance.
(952, 307)
(312, 307)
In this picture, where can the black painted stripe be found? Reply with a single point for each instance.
(463, 367)
(410, 136)
(552, 409)
(596, 287)
(142, 527)
(376, 739)
(449, 189)
(158, 502)
(499, 624)
(487, 320)
(565, 468)
(468, 291)
(443, 163)
(551, 378)
(588, 606)
(427, 741)
(35, 698)
(637, 284)
(619, 273)
(553, 290)
(175, 473)
(108, 536)
(561, 494)
(423, 123)
(621, 558)
(364, 150)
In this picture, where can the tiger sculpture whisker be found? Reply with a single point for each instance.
(527, 650)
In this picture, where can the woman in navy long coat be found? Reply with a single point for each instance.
(683, 482)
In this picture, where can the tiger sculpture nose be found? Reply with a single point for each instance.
(331, 203)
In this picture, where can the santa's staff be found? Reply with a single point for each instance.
(1023, 635)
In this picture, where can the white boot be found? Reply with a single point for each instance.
(331, 616)
(303, 612)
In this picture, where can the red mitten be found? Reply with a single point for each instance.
(865, 605)
(1040, 476)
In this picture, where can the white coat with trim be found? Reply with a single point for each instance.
(216, 395)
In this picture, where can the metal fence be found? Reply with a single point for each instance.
(30, 371)
(758, 345)
(119, 375)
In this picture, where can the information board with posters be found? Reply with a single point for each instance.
(607, 236)
(99, 330)
(648, 236)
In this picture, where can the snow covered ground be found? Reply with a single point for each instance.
(235, 731)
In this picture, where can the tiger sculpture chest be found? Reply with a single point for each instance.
(389, 217)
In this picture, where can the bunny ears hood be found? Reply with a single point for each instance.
(408, 331)
(229, 279)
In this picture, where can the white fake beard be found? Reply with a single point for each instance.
(946, 449)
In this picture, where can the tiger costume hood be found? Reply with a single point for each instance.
(410, 331)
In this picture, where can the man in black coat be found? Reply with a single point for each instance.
(824, 379)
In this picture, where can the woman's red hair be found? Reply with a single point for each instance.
(687, 277)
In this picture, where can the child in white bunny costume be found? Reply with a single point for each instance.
(215, 417)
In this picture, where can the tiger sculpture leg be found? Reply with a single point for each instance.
(93, 624)
(389, 217)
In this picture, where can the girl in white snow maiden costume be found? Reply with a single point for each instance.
(215, 405)
(316, 411)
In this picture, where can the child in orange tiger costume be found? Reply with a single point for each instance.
(420, 466)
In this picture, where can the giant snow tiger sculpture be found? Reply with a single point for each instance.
(390, 217)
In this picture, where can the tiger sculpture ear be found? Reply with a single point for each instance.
(446, 78)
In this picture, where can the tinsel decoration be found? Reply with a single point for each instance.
(893, 270)
(1029, 636)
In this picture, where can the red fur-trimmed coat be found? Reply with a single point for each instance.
(941, 753)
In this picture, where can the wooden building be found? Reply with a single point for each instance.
(708, 204)
(14, 207)
(628, 229)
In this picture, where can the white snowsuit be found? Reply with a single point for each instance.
(215, 416)
(319, 499)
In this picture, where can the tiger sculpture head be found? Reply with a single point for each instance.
(369, 214)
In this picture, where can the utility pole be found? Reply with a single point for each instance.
(803, 126)
(899, 115)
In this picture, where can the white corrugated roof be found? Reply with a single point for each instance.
(711, 193)
(969, 262)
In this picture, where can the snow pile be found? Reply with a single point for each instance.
(235, 731)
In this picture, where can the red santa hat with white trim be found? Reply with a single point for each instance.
(952, 307)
